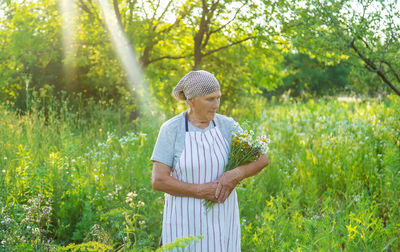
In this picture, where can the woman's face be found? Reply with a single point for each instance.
(205, 107)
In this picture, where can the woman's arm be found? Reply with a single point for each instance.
(228, 180)
(163, 181)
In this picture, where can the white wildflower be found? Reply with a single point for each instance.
(47, 210)
(132, 194)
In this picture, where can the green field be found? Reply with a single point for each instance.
(83, 177)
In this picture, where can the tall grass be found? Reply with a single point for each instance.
(333, 182)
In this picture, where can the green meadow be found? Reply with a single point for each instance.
(80, 179)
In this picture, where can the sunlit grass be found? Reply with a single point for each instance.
(333, 182)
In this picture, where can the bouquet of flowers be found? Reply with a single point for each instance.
(245, 148)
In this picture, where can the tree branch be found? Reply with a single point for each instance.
(165, 10)
(234, 17)
(372, 66)
(181, 16)
(117, 13)
(90, 10)
(226, 46)
(144, 11)
(131, 8)
(156, 8)
(84, 7)
(392, 70)
(385, 49)
(168, 57)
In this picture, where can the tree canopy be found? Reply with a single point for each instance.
(247, 44)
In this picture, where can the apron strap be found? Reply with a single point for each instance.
(186, 122)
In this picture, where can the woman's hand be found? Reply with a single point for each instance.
(207, 191)
(226, 183)
(228, 180)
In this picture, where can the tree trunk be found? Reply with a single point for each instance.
(198, 38)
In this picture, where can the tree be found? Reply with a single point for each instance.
(170, 38)
(231, 19)
(309, 77)
(30, 49)
(366, 32)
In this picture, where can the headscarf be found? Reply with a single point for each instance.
(194, 84)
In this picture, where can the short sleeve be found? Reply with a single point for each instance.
(164, 148)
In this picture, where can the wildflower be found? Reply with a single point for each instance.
(128, 200)
(5, 158)
(6, 221)
(141, 223)
(352, 231)
(47, 210)
(95, 227)
(140, 203)
(4, 171)
(132, 194)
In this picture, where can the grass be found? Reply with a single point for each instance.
(80, 177)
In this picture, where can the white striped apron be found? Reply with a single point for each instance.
(203, 160)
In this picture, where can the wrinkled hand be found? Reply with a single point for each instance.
(226, 183)
(207, 191)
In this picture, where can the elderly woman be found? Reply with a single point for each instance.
(189, 159)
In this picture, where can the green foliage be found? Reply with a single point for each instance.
(31, 49)
(310, 78)
(363, 33)
(245, 50)
(87, 246)
(182, 243)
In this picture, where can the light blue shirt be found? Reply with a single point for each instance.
(171, 138)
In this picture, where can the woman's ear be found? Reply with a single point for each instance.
(190, 102)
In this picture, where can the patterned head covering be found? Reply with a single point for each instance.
(194, 84)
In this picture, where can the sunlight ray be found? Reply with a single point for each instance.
(128, 59)
(68, 14)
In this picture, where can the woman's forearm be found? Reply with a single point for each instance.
(163, 181)
(171, 185)
(252, 168)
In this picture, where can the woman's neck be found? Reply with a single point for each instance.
(196, 121)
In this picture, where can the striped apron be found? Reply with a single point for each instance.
(203, 160)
